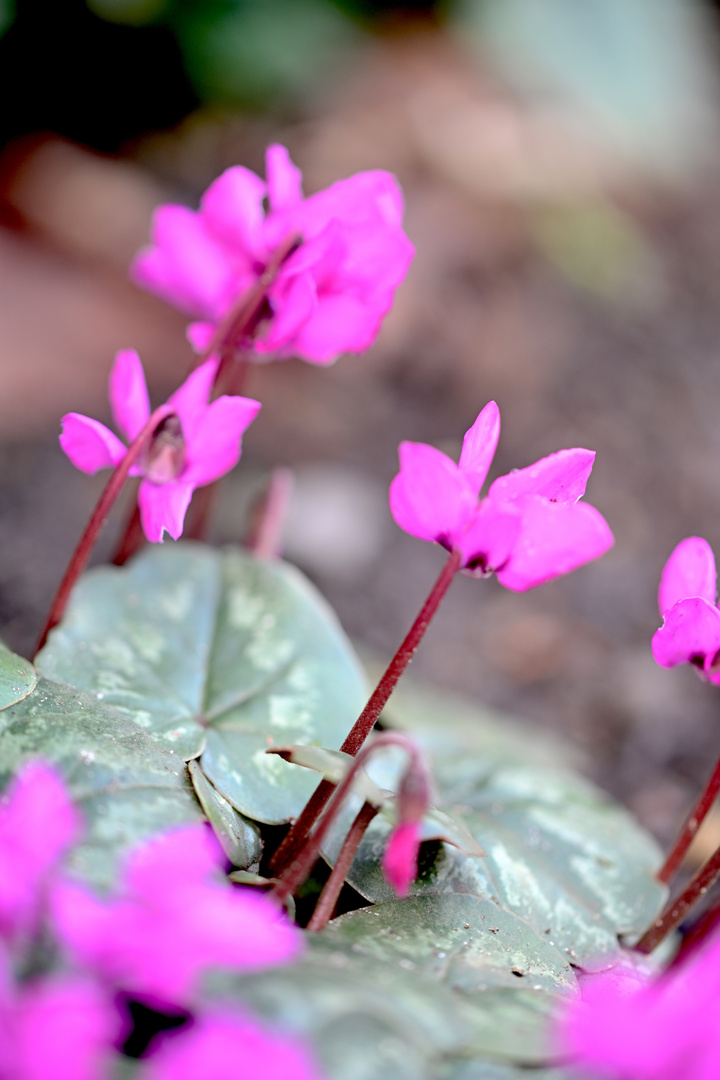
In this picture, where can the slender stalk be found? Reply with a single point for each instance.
(676, 911)
(692, 823)
(98, 518)
(132, 538)
(364, 724)
(333, 886)
(265, 539)
(293, 876)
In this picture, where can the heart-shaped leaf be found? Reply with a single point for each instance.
(217, 655)
(18, 677)
(125, 786)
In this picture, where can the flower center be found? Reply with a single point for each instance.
(165, 458)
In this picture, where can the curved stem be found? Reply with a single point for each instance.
(689, 830)
(333, 886)
(292, 878)
(98, 518)
(677, 909)
(364, 724)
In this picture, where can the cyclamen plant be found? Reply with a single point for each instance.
(218, 856)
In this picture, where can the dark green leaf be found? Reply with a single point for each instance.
(126, 787)
(18, 677)
(216, 654)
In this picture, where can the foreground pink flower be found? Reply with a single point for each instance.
(626, 1028)
(173, 919)
(225, 1045)
(198, 444)
(330, 295)
(528, 530)
(690, 633)
(57, 1028)
(37, 825)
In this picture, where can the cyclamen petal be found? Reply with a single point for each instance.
(129, 398)
(690, 571)
(217, 438)
(330, 295)
(479, 446)
(213, 1047)
(89, 444)
(554, 539)
(163, 508)
(490, 539)
(430, 498)
(561, 477)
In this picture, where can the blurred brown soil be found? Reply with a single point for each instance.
(581, 295)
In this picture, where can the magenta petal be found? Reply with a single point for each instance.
(191, 398)
(560, 477)
(186, 266)
(690, 571)
(340, 324)
(62, 1029)
(488, 541)
(212, 1047)
(200, 334)
(232, 211)
(215, 446)
(479, 446)
(89, 444)
(399, 861)
(430, 498)
(163, 508)
(284, 179)
(128, 394)
(555, 538)
(298, 303)
(690, 631)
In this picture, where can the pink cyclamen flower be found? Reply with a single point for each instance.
(198, 444)
(529, 529)
(329, 296)
(173, 919)
(58, 1028)
(224, 1045)
(38, 823)
(628, 1028)
(400, 858)
(690, 633)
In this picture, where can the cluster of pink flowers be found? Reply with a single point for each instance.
(630, 1027)
(173, 919)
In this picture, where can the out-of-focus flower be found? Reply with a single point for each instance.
(626, 1028)
(37, 825)
(224, 1045)
(57, 1028)
(193, 447)
(329, 296)
(528, 530)
(690, 633)
(400, 857)
(173, 919)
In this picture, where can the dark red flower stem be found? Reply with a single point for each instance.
(265, 537)
(677, 909)
(333, 886)
(297, 871)
(288, 850)
(689, 830)
(98, 518)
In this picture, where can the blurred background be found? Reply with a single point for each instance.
(560, 162)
